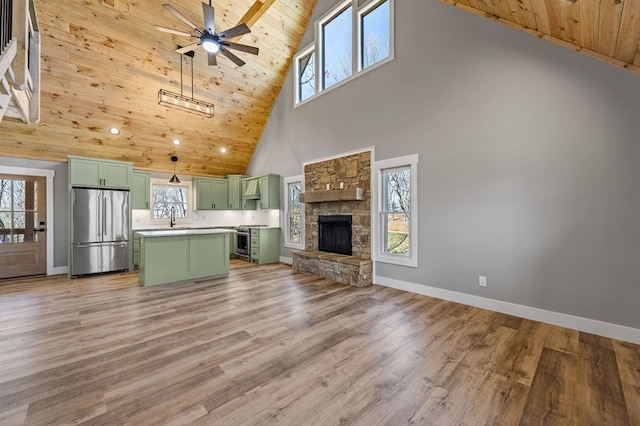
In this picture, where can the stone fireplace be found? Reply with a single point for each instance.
(337, 189)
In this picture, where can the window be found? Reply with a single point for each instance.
(374, 34)
(306, 75)
(345, 50)
(19, 204)
(337, 49)
(397, 179)
(170, 200)
(294, 213)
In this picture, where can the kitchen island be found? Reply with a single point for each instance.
(183, 254)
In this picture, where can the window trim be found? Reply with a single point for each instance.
(379, 255)
(364, 10)
(317, 47)
(285, 216)
(164, 183)
(310, 49)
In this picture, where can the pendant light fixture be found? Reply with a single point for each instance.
(174, 179)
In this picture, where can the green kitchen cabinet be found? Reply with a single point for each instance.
(91, 172)
(141, 191)
(235, 191)
(249, 200)
(269, 191)
(211, 194)
(265, 245)
(177, 255)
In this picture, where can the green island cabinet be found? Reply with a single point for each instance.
(91, 172)
(265, 245)
(235, 191)
(141, 191)
(211, 194)
(176, 255)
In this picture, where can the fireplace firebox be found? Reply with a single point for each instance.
(334, 234)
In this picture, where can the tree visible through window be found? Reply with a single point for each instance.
(307, 81)
(397, 210)
(18, 215)
(337, 49)
(168, 200)
(293, 213)
(336, 46)
(375, 34)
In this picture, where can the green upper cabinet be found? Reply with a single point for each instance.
(211, 194)
(249, 193)
(269, 186)
(99, 173)
(235, 191)
(141, 191)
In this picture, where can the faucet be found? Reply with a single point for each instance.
(172, 218)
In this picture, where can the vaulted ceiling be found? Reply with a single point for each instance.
(103, 63)
(608, 30)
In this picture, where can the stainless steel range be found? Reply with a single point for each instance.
(243, 241)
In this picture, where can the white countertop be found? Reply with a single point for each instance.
(183, 232)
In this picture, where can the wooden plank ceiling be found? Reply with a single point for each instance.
(608, 30)
(103, 63)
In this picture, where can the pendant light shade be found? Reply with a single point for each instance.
(174, 179)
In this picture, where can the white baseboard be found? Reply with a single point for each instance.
(58, 270)
(287, 260)
(600, 328)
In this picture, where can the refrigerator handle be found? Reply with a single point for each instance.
(104, 216)
(99, 213)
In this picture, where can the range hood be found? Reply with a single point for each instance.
(252, 191)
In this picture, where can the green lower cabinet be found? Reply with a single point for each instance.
(169, 259)
(265, 245)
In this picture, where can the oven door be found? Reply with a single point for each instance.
(243, 241)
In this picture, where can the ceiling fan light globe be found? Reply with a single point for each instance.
(209, 44)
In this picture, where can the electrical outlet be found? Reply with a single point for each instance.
(482, 281)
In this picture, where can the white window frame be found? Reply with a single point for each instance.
(304, 52)
(356, 62)
(285, 217)
(410, 161)
(164, 183)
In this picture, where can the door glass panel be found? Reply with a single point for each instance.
(5, 227)
(18, 215)
(19, 195)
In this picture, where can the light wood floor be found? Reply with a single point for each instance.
(266, 345)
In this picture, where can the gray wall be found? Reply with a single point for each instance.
(529, 157)
(60, 203)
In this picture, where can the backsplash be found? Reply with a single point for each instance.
(209, 218)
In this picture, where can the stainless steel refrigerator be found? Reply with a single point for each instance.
(99, 231)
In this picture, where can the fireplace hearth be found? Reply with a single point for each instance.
(334, 234)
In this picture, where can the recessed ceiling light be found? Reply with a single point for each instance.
(114, 131)
(176, 142)
(223, 150)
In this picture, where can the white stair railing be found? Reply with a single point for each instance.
(19, 61)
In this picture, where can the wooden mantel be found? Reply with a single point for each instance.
(347, 194)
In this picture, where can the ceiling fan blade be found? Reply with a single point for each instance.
(188, 48)
(170, 31)
(239, 62)
(212, 58)
(181, 17)
(234, 32)
(241, 47)
(209, 18)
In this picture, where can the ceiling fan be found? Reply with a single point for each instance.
(211, 41)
